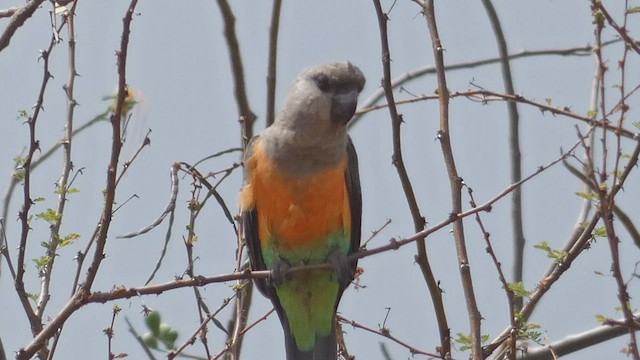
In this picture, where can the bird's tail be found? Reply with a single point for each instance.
(325, 348)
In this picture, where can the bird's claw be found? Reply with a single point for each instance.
(342, 267)
(279, 272)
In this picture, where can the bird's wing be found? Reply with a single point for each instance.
(352, 179)
(249, 225)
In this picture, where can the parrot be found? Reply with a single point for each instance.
(301, 203)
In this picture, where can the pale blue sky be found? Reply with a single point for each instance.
(179, 63)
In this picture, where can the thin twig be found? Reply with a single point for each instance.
(244, 331)
(485, 96)
(430, 69)
(18, 18)
(575, 342)
(455, 182)
(34, 145)
(62, 186)
(171, 205)
(387, 334)
(419, 221)
(273, 61)
(246, 116)
(517, 226)
(41, 337)
(200, 329)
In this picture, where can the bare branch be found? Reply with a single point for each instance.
(385, 333)
(575, 342)
(247, 117)
(398, 161)
(273, 57)
(517, 225)
(18, 17)
(430, 69)
(455, 182)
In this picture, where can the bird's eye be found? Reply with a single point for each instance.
(322, 82)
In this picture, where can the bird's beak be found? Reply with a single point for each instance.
(344, 106)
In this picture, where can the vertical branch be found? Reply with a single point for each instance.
(273, 57)
(398, 162)
(23, 215)
(247, 117)
(194, 206)
(514, 150)
(116, 146)
(40, 339)
(67, 166)
(240, 317)
(455, 181)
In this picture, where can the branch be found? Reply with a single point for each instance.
(430, 69)
(576, 342)
(273, 57)
(18, 17)
(9, 12)
(247, 117)
(514, 151)
(398, 161)
(386, 333)
(455, 181)
(622, 31)
(34, 145)
(484, 96)
(116, 146)
(67, 166)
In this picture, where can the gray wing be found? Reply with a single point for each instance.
(352, 178)
(249, 224)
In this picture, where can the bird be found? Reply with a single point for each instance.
(301, 204)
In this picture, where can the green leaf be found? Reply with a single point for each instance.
(61, 190)
(67, 240)
(19, 160)
(168, 336)
(600, 232)
(519, 290)
(464, 341)
(23, 115)
(153, 322)
(150, 340)
(634, 10)
(42, 262)
(587, 196)
(558, 255)
(50, 216)
(591, 114)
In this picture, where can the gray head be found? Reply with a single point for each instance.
(311, 131)
(322, 98)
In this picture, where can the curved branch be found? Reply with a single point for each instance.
(514, 151)
(247, 117)
(18, 18)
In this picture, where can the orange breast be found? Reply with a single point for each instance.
(295, 211)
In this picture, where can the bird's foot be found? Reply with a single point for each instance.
(342, 267)
(279, 272)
